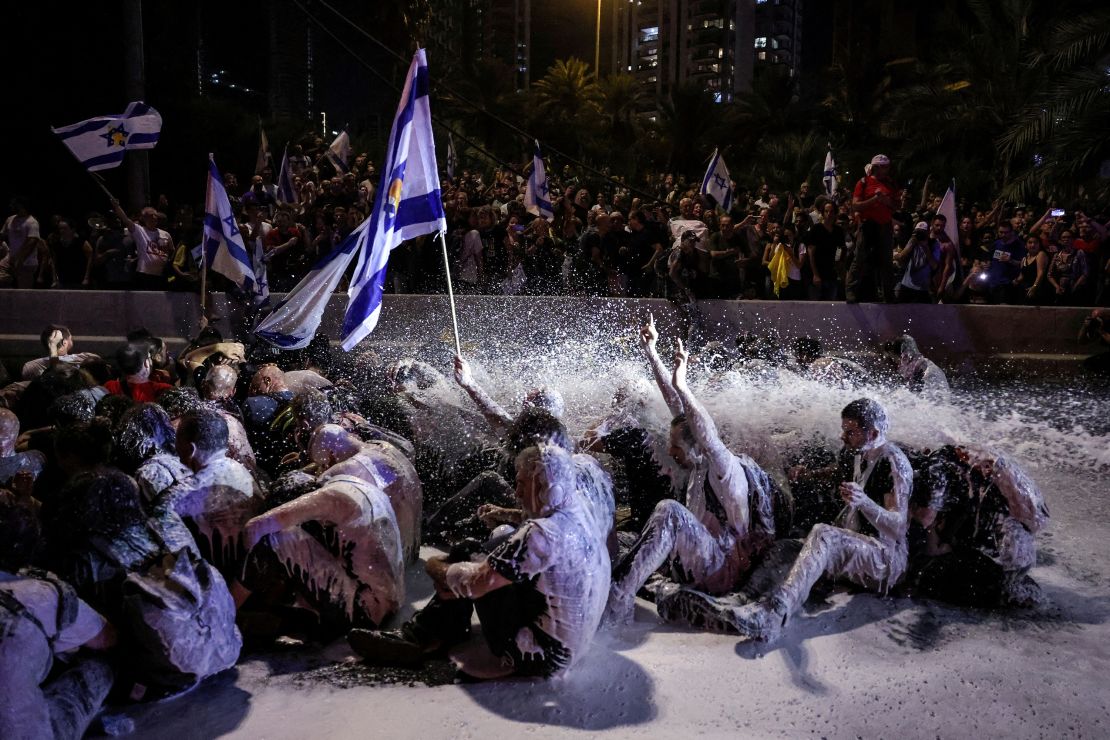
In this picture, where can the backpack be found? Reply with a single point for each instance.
(178, 611)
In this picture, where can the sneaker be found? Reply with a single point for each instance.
(761, 621)
(697, 609)
(386, 648)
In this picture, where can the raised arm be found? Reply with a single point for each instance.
(122, 215)
(497, 417)
(648, 337)
(701, 423)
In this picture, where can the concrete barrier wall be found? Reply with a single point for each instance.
(99, 320)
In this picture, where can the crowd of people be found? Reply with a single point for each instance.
(160, 516)
(873, 241)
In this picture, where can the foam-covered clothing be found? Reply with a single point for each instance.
(870, 549)
(31, 461)
(216, 503)
(39, 620)
(342, 545)
(158, 473)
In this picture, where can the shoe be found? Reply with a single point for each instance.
(761, 621)
(386, 648)
(697, 609)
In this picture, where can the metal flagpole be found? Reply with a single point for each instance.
(450, 294)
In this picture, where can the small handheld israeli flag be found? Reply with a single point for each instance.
(99, 143)
(829, 176)
(286, 193)
(717, 182)
(537, 198)
(452, 158)
(340, 152)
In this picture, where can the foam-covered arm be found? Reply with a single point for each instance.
(474, 580)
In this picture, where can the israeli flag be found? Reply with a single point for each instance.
(340, 152)
(407, 204)
(717, 182)
(286, 193)
(452, 158)
(537, 198)
(223, 244)
(293, 322)
(829, 176)
(99, 143)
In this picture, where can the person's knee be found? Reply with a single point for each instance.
(822, 533)
(668, 511)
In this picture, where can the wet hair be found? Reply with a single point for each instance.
(19, 533)
(807, 347)
(292, 485)
(113, 406)
(44, 337)
(179, 401)
(131, 356)
(144, 431)
(87, 442)
(683, 424)
(71, 408)
(868, 413)
(205, 428)
(312, 407)
(533, 426)
(104, 503)
(547, 398)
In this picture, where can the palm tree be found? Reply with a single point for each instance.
(565, 104)
(1062, 136)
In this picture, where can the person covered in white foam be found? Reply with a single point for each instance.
(921, 374)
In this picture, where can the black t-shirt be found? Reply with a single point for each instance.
(824, 243)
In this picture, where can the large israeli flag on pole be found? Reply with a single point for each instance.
(408, 203)
(537, 197)
(717, 182)
(99, 143)
(224, 249)
(286, 193)
(829, 176)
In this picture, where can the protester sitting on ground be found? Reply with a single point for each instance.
(146, 448)
(539, 594)
(135, 364)
(218, 390)
(42, 620)
(219, 498)
(728, 520)
(58, 342)
(268, 397)
(920, 373)
(335, 451)
(811, 361)
(544, 397)
(975, 517)
(12, 462)
(336, 545)
(869, 549)
(174, 612)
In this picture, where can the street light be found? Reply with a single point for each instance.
(597, 43)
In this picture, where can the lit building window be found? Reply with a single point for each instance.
(649, 34)
(761, 42)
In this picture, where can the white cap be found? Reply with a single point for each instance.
(880, 159)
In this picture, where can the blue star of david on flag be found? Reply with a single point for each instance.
(717, 183)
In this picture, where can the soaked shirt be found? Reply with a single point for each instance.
(344, 550)
(562, 558)
(216, 504)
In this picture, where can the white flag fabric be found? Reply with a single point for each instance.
(537, 196)
(99, 143)
(224, 249)
(339, 153)
(717, 182)
(829, 175)
(948, 210)
(408, 203)
(262, 161)
(286, 193)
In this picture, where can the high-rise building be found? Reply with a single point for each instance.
(715, 44)
(505, 33)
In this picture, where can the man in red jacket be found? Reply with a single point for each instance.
(875, 198)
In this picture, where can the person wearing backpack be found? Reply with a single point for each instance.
(47, 689)
(174, 611)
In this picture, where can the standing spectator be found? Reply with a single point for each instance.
(1068, 272)
(283, 251)
(1030, 286)
(153, 246)
(114, 257)
(646, 246)
(875, 198)
(921, 257)
(471, 267)
(72, 258)
(22, 267)
(1005, 265)
(728, 250)
(825, 245)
